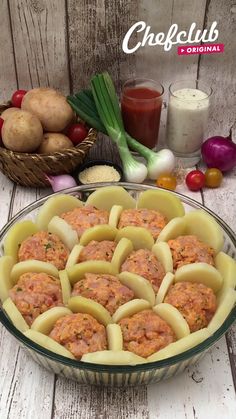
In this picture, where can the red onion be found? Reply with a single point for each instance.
(219, 152)
(61, 182)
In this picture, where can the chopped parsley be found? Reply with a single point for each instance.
(48, 246)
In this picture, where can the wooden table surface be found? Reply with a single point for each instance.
(205, 391)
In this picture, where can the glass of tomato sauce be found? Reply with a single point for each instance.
(141, 104)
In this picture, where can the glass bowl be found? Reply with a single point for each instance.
(96, 374)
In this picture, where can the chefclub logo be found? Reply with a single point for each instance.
(174, 36)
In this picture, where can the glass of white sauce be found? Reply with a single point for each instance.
(187, 117)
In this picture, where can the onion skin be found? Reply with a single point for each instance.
(219, 152)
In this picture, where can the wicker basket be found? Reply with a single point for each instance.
(30, 169)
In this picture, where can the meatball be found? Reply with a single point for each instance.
(85, 217)
(36, 293)
(188, 249)
(143, 262)
(46, 247)
(95, 250)
(196, 303)
(104, 289)
(80, 333)
(145, 333)
(150, 219)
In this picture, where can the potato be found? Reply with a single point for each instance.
(77, 272)
(16, 235)
(174, 318)
(54, 141)
(201, 273)
(113, 358)
(80, 304)
(140, 237)
(164, 287)
(162, 252)
(14, 315)
(50, 107)
(8, 112)
(6, 264)
(44, 323)
(141, 286)
(48, 343)
(108, 196)
(32, 265)
(64, 231)
(22, 132)
(130, 308)
(114, 337)
(98, 233)
(122, 251)
(162, 201)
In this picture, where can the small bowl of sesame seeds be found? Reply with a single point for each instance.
(99, 171)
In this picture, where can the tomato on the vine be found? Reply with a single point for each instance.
(17, 97)
(195, 180)
(213, 177)
(77, 133)
(167, 181)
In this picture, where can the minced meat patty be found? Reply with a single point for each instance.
(150, 219)
(145, 333)
(46, 247)
(85, 217)
(95, 250)
(104, 289)
(80, 333)
(36, 293)
(196, 303)
(188, 249)
(143, 262)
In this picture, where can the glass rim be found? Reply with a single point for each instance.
(192, 81)
(144, 79)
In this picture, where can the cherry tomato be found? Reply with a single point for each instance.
(195, 180)
(17, 97)
(213, 177)
(167, 181)
(77, 133)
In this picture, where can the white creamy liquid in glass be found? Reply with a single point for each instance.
(187, 120)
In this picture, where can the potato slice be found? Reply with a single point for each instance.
(165, 284)
(15, 315)
(114, 337)
(122, 250)
(174, 318)
(77, 272)
(180, 346)
(114, 215)
(163, 253)
(64, 231)
(200, 272)
(32, 265)
(87, 305)
(175, 227)
(227, 268)
(164, 202)
(141, 287)
(139, 236)
(98, 233)
(113, 358)
(74, 255)
(56, 205)
(65, 286)
(48, 343)
(227, 302)
(130, 308)
(16, 235)
(6, 265)
(45, 321)
(108, 196)
(205, 227)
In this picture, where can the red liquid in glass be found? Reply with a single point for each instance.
(142, 117)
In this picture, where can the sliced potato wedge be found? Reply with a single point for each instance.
(164, 202)
(180, 346)
(74, 255)
(227, 302)
(108, 196)
(227, 268)
(122, 250)
(16, 235)
(114, 215)
(175, 227)
(56, 205)
(113, 358)
(174, 318)
(165, 284)
(200, 272)
(6, 265)
(14, 315)
(64, 231)
(86, 305)
(163, 253)
(98, 233)
(130, 308)
(45, 321)
(114, 337)
(32, 265)
(141, 287)
(139, 236)
(48, 343)
(205, 227)
(65, 286)
(76, 272)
